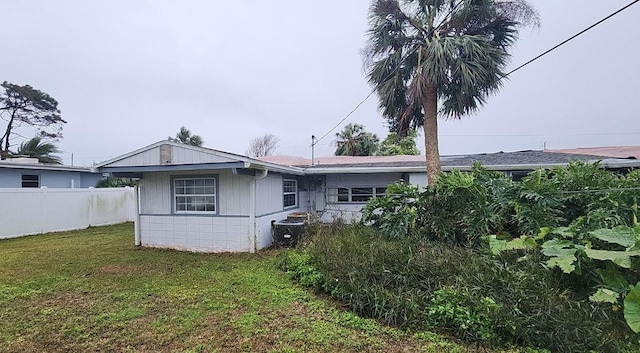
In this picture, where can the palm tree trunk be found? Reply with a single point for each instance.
(430, 107)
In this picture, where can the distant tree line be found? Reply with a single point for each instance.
(353, 140)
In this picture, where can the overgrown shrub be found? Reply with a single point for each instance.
(422, 260)
(468, 293)
(463, 207)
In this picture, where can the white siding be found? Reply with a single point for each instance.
(189, 156)
(233, 194)
(269, 194)
(155, 193)
(150, 157)
(179, 155)
(228, 230)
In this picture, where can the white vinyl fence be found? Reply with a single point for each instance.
(34, 211)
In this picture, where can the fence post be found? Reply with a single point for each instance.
(91, 208)
(43, 201)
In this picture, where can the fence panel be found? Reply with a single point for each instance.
(34, 211)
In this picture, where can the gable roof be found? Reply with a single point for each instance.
(170, 156)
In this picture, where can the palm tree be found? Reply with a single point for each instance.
(44, 151)
(354, 141)
(425, 53)
(184, 136)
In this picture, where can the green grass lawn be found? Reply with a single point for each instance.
(91, 290)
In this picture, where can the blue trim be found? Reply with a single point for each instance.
(172, 167)
(172, 178)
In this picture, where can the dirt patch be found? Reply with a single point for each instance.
(71, 300)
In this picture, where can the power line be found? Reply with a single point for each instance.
(453, 9)
(500, 78)
(570, 38)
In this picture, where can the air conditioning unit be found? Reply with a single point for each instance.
(287, 232)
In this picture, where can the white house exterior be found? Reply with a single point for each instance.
(200, 199)
(206, 200)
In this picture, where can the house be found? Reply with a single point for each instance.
(343, 184)
(629, 152)
(28, 173)
(201, 199)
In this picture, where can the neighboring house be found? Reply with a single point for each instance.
(609, 151)
(28, 173)
(200, 199)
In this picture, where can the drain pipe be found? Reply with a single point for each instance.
(252, 207)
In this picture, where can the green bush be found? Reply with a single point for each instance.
(468, 318)
(299, 266)
(426, 285)
(419, 259)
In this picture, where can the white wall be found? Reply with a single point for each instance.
(269, 194)
(196, 233)
(34, 211)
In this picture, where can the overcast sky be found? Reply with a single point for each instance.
(130, 73)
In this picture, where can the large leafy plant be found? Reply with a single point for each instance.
(606, 256)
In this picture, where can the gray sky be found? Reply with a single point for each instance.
(130, 73)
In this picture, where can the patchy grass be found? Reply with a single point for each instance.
(91, 290)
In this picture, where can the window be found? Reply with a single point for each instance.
(359, 194)
(195, 195)
(289, 192)
(30, 180)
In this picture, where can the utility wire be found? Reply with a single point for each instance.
(571, 38)
(500, 78)
(453, 9)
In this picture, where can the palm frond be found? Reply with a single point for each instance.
(44, 151)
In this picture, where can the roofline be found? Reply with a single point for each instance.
(249, 162)
(277, 168)
(413, 169)
(43, 166)
(198, 166)
(172, 167)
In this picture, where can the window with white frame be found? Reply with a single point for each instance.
(358, 194)
(290, 192)
(194, 195)
(30, 180)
